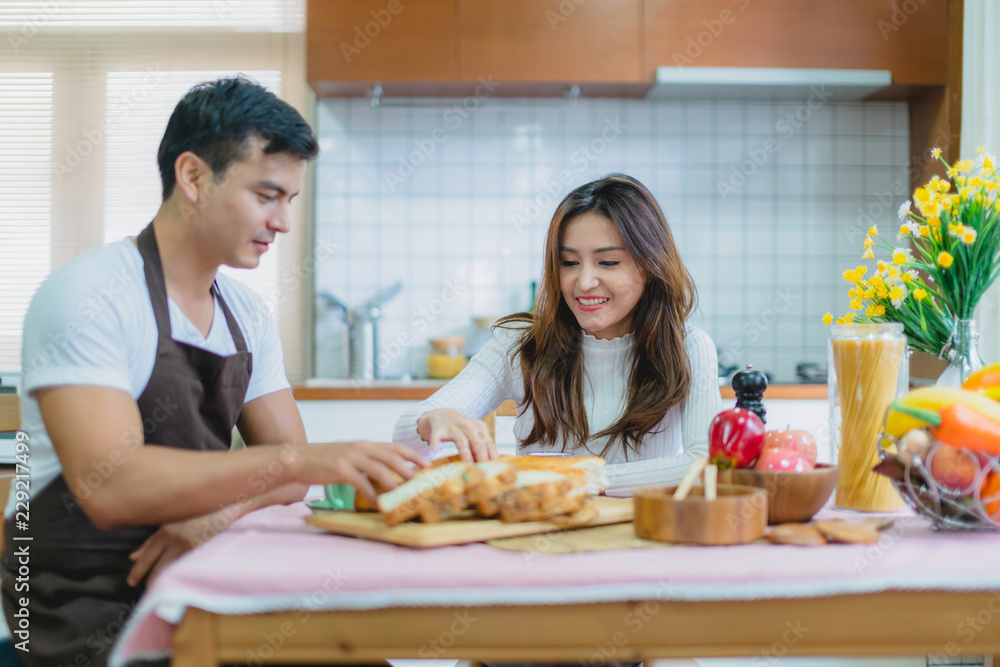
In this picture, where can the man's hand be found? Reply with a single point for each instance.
(471, 436)
(358, 464)
(173, 540)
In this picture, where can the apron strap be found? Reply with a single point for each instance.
(234, 328)
(153, 269)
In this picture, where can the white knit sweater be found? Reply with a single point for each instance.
(492, 377)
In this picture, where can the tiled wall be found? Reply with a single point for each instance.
(769, 202)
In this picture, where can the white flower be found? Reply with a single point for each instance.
(904, 211)
(913, 228)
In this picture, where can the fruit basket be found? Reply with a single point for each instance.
(956, 488)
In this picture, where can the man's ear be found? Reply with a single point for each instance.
(192, 174)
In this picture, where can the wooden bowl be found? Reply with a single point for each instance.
(791, 496)
(737, 516)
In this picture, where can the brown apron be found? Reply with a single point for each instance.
(78, 598)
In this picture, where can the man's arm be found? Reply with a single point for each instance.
(268, 419)
(153, 485)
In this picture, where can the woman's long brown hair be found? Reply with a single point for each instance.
(550, 348)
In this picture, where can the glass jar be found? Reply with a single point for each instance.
(445, 360)
(869, 368)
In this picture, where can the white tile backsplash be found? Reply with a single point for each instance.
(767, 201)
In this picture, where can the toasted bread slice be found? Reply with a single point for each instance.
(448, 498)
(536, 495)
(592, 466)
(486, 482)
(361, 503)
(436, 487)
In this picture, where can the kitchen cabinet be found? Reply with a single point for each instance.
(908, 38)
(379, 40)
(531, 41)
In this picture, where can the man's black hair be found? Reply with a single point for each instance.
(216, 120)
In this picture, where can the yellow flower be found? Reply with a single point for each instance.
(925, 230)
(879, 310)
(868, 243)
(848, 318)
(882, 266)
(956, 229)
(850, 275)
(969, 237)
(909, 276)
(893, 272)
(947, 203)
(919, 294)
(855, 304)
(828, 318)
(896, 293)
(935, 153)
(867, 254)
(931, 209)
(921, 195)
(980, 149)
(873, 230)
(862, 269)
(869, 311)
(876, 282)
(899, 257)
(882, 293)
(987, 163)
(904, 230)
(955, 200)
(934, 221)
(944, 259)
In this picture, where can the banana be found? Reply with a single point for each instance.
(934, 398)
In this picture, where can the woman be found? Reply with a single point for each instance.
(607, 364)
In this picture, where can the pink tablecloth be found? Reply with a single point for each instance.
(271, 561)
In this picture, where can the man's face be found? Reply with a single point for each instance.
(241, 215)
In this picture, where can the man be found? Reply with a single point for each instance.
(138, 360)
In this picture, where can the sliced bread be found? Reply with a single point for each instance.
(535, 495)
(486, 482)
(592, 466)
(432, 493)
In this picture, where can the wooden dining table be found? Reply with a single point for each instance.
(274, 590)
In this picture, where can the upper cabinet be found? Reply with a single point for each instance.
(613, 46)
(596, 41)
(909, 38)
(380, 40)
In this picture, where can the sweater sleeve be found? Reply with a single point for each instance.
(702, 404)
(487, 381)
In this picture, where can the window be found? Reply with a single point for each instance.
(83, 105)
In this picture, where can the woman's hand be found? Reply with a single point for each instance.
(471, 436)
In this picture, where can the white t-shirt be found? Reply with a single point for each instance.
(492, 377)
(91, 323)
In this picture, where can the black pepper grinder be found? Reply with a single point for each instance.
(749, 386)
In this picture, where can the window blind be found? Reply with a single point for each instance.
(87, 88)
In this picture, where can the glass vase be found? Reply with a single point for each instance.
(869, 368)
(962, 351)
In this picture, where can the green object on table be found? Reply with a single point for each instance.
(337, 497)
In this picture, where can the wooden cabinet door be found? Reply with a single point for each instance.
(381, 40)
(550, 40)
(907, 37)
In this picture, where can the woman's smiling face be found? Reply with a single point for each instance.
(599, 279)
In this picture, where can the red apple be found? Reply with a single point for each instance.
(783, 458)
(801, 441)
(953, 468)
(735, 438)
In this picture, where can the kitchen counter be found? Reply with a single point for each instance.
(398, 390)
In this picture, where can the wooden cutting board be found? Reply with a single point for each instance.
(458, 531)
